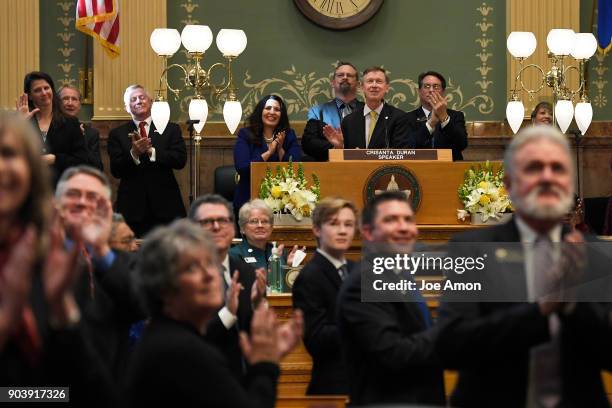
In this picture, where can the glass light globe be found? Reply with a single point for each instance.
(160, 115)
(564, 112)
(230, 42)
(196, 38)
(560, 41)
(198, 110)
(583, 115)
(521, 44)
(165, 41)
(232, 113)
(585, 45)
(515, 112)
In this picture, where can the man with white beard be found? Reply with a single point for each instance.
(534, 351)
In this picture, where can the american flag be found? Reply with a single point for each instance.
(100, 19)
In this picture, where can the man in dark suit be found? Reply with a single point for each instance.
(104, 289)
(531, 349)
(322, 131)
(244, 286)
(388, 346)
(315, 292)
(144, 160)
(432, 125)
(71, 105)
(378, 125)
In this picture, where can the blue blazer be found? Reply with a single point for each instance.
(327, 112)
(245, 153)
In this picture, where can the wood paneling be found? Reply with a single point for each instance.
(19, 53)
(137, 64)
(539, 17)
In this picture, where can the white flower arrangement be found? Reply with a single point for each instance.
(483, 192)
(286, 191)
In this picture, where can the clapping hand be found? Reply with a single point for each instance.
(60, 273)
(232, 296)
(269, 342)
(140, 145)
(334, 136)
(258, 290)
(438, 104)
(97, 227)
(15, 287)
(21, 104)
(291, 254)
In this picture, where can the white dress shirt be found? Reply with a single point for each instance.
(147, 129)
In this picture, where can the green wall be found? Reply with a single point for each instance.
(599, 72)
(289, 55)
(62, 47)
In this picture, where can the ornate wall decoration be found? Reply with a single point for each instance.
(66, 36)
(302, 90)
(484, 53)
(600, 100)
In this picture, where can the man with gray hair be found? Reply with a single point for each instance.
(143, 158)
(71, 105)
(104, 291)
(546, 351)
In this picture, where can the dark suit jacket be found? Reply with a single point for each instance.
(489, 343)
(65, 141)
(92, 142)
(67, 358)
(452, 136)
(314, 142)
(389, 351)
(315, 292)
(227, 340)
(391, 128)
(174, 366)
(115, 306)
(150, 183)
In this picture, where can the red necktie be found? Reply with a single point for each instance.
(143, 132)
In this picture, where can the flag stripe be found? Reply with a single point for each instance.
(100, 19)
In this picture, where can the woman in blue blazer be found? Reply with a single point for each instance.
(268, 137)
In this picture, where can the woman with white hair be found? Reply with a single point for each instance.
(256, 222)
(173, 364)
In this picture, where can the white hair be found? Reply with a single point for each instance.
(128, 94)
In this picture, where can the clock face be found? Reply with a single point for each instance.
(339, 8)
(339, 14)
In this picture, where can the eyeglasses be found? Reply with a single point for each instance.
(257, 221)
(74, 194)
(435, 87)
(209, 222)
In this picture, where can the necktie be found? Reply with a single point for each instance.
(143, 132)
(433, 144)
(343, 272)
(346, 110)
(373, 119)
(545, 358)
(89, 266)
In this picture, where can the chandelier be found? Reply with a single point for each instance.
(197, 39)
(561, 44)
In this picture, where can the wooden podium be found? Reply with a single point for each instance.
(437, 181)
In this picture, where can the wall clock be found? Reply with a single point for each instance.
(339, 14)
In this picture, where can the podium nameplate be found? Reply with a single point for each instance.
(390, 154)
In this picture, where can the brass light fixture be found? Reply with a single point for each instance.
(561, 44)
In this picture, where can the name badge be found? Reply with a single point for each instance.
(250, 259)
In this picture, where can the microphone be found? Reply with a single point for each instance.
(386, 134)
(191, 122)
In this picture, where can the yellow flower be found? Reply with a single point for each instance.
(483, 184)
(484, 199)
(276, 192)
(502, 191)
